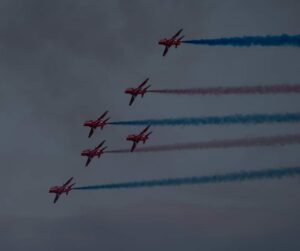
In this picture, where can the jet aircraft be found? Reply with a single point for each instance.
(136, 138)
(169, 42)
(140, 90)
(59, 190)
(91, 153)
(99, 122)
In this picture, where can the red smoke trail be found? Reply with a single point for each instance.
(231, 143)
(259, 89)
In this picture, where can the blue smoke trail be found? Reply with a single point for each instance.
(201, 180)
(225, 120)
(279, 40)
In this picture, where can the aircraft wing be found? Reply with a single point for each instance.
(88, 161)
(133, 146)
(131, 100)
(177, 34)
(147, 87)
(91, 132)
(148, 134)
(68, 181)
(142, 84)
(166, 50)
(145, 130)
(101, 144)
(56, 198)
(102, 116)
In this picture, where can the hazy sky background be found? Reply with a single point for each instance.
(66, 61)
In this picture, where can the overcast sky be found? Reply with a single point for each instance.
(65, 61)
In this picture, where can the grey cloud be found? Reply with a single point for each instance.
(62, 62)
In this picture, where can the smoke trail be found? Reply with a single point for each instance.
(215, 144)
(213, 120)
(201, 180)
(279, 40)
(260, 89)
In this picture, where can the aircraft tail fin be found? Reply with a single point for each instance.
(104, 123)
(146, 137)
(180, 38)
(102, 151)
(145, 90)
(70, 188)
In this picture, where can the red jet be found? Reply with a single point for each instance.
(168, 43)
(99, 122)
(139, 137)
(59, 190)
(134, 92)
(91, 153)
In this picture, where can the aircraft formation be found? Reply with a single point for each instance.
(143, 88)
(102, 121)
